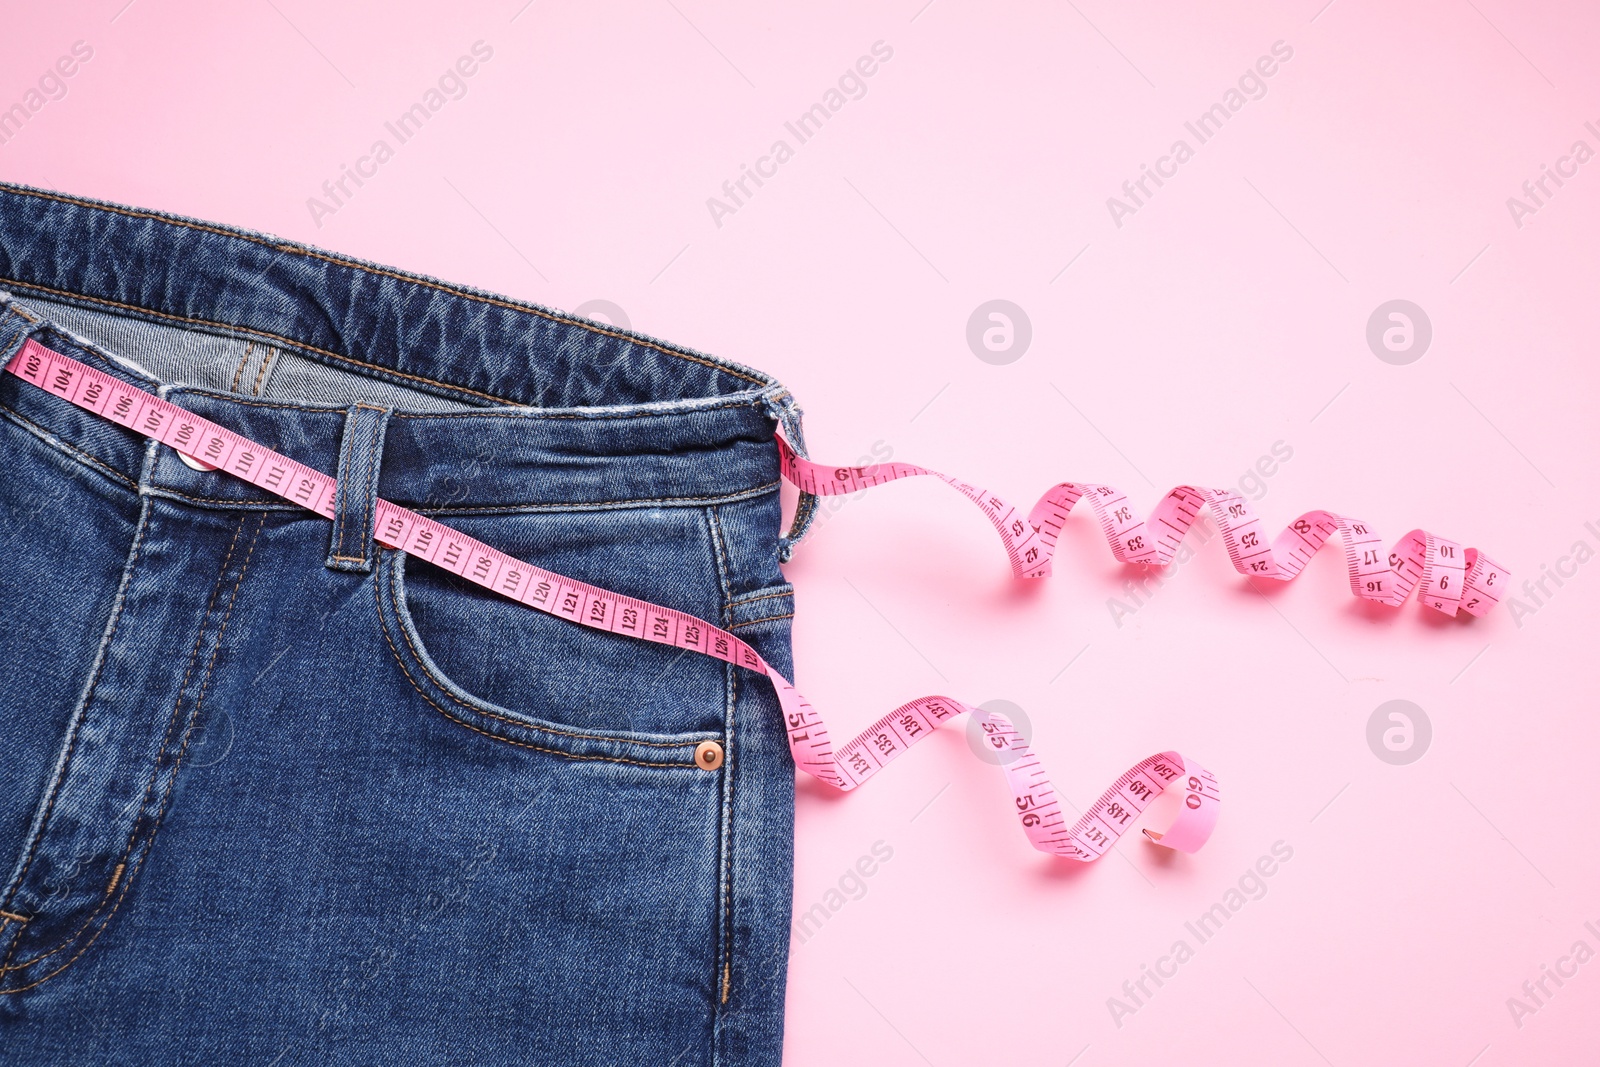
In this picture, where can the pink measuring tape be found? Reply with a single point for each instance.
(1449, 578)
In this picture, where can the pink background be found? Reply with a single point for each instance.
(1225, 315)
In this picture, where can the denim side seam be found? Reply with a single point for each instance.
(722, 980)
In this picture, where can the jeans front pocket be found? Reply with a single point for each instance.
(543, 725)
(572, 753)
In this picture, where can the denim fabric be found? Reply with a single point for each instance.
(271, 794)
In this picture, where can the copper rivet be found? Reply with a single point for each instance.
(708, 755)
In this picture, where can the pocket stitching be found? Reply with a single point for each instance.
(423, 667)
(764, 618)
(50, 440)
(784, 590)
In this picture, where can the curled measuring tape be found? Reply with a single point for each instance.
(1446, 576)
(1038, 807)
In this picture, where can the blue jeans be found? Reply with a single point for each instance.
(272, 794)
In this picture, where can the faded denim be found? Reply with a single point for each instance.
(270, 794)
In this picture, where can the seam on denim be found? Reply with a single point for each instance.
(225, 504)
(518, 409)
(194, 657)
(730, 689)
(281, 405)
(249, 347)
(348, 559)
(24, 314)
(288, 341)
(439, 683)
(94, 355)
(155, 772)
(727, 956)
(5, 961)
(64, 762)
(13, 917)
(153, 216)
(261, 372)
(293, 249)
(525, 744)
(177, 763)
(805, 511)
(510, 306)
(764, 618)
(527, 411)
(749, 599)
(235, 503)
(714, 498)
(719, 552)
(47, 438)
(731, 497)
(400, 662)
(284, 246)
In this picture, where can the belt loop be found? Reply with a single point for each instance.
(360, 458)
(782, 408)
(15, 327)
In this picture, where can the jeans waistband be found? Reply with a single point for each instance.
(493, 404)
